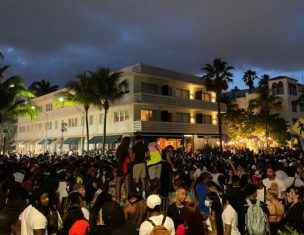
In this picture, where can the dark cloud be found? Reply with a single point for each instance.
(55, 39)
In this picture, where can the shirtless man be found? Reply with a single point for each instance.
(135, 209)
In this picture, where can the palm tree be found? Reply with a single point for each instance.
(264, 80)
(42, 87)
(217, 77)
(264, 104)
(15, 100)
(78, 93)
(106, 91)
(249, 77)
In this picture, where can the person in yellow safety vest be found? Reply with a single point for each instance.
(154, 163)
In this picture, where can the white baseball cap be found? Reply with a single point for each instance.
(153, 201)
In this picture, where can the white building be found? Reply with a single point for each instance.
(174, 108)
(285, 87)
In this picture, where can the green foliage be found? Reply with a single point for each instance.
(216, 78)
(249, 77)
(288, 231)
(42, 87)
(15, 100)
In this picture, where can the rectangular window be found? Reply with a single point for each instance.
(48, 126)
(301, 107)
(199, 95)
(166, 116)
(126, 115)
(124, 87)
(183, 117)
(56, 125)
(294, 106)
(101, 117)
(207, 119)
(206, 97)
(39, 126)
(72, 122)
(121, 116)
(146, 115)
(292, 89)
(149, 88)
(91, 120)
(198, 118)
(22, 129)
(49, 107)
(116, 116)
(182, 93)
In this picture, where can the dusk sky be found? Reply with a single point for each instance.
(57, 39)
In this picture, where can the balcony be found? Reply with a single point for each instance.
(176, 101)
(174, 127)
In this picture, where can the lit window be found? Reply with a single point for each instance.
(146, 115)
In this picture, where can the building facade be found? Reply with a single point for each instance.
(159, 104)
(285, 87)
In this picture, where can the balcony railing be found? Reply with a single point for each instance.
(176, 101)
(174, 127)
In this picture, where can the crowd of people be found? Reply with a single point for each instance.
(144, 189)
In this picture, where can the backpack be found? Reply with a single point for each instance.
(159, 229)
(255, 219)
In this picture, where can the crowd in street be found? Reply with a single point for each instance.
(144, 189)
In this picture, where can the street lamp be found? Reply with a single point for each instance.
(63, 129)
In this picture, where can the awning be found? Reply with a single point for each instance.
(112, 139)
(45, 141)
(74, 140)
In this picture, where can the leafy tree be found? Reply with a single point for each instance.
(216, 77)
(78, 92)
(264, 104)
(249, 77)
(15, 100)
(42, 87)
(106, 90)
(264, 80)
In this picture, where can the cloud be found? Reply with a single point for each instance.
(55, 39)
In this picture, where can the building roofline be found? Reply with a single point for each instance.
(282, 77)
(161, 72)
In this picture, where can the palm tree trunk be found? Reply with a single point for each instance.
(104, 128)
(87, 126)
(266, 129)
(219, 119)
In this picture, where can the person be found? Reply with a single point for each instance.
(193, 223)
(276, 212)
(113, 216)
(32, 218)
(236, 195)
(271, 177)
(201, 190)
(97, 225)
(256, 212)
(261, 189)
(135, 209)
(80, 189)
(155, 217)
(176, 210)
(230, 220)
(293, 216)
(167, 168)
(123, 156)
(75, 221)
(140, 153)
(154, 162)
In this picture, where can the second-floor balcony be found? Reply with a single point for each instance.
(176, 101)
(174, 127)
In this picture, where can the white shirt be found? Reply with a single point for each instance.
(267, 183)
(261, 194)
(32, 219)
(146, 227)
(230, 217)
(86, 213)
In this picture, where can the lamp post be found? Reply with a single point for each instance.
(63, 129)
(46, 131)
